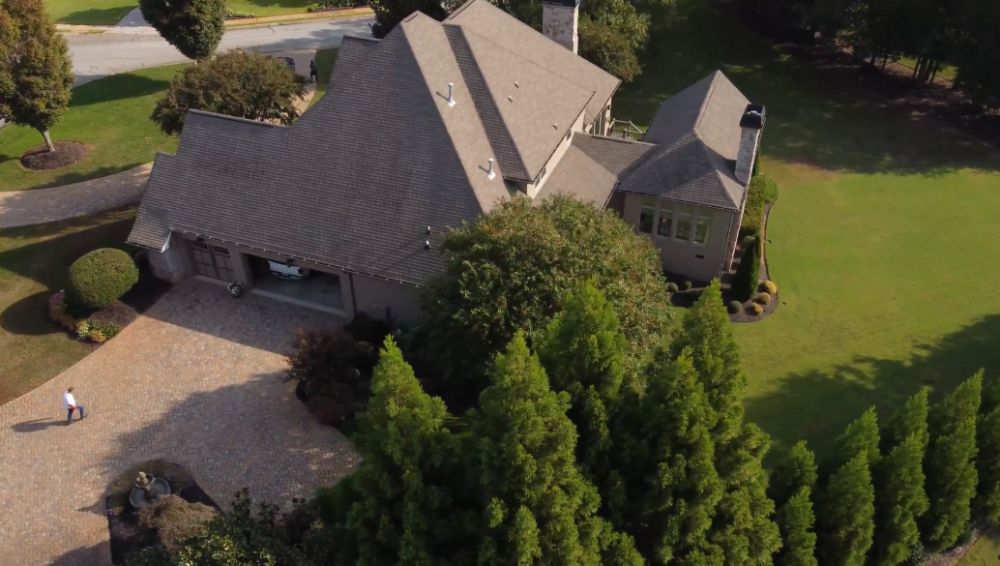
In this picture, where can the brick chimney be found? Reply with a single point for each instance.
(751, 124)
(560, 19)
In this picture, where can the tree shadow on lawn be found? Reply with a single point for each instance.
(820, 113)
(28, 316)
(97, 16)
(117, 87)
(817, 405)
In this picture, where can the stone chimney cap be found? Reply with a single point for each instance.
(567, 3)
(753, 117)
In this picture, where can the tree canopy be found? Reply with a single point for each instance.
(388, 13)
(35, 72)
(237, 83)
(194, 27)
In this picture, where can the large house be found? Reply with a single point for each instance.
(429, 127)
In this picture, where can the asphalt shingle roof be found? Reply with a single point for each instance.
(590, 168)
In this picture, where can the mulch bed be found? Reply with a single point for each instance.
(66, 153)
(127, 537)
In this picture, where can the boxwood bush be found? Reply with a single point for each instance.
(98, 278)
(762, 190)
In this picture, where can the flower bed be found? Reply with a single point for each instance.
(90, 329)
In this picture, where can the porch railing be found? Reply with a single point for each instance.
(626, 130)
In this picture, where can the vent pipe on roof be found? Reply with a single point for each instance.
(490, 172)
(451, 94)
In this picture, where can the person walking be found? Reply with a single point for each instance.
(313, 71)
(69, 401)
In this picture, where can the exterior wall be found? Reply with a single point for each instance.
(560, 23)
(699, 262)
(532, 188)
(172, 265)
(376, 297)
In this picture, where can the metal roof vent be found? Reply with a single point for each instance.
(451, 95)
(490, 172)
(427, 244)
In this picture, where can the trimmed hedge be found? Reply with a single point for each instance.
(748, 272)
(98, 278)
(762, 190)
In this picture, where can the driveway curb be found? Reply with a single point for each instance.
(240, 23)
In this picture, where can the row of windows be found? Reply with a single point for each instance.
(676, 222)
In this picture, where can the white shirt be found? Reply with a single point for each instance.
(68, 400)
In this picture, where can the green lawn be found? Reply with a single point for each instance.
(33, 264)
(111, 115)
(985, 552)
(882, 240)
(108, 12)
(325, 58)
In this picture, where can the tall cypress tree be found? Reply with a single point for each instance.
(791, 487)
(987, 506)
(909, 421)
(860, 437)
(538, 507)
(901, 501)
(404, 508)
(847, 517)
(674, 491)
(951, 465)
(583, 352)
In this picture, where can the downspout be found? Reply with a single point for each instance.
(354, 300)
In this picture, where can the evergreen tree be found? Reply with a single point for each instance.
(847, 514)
(583, 352)
(860, 437)
(791, 487)
(403, 509)
(537, 505)
(796, 471)
(673, 492)
(748, 271)
(194, 27)
(796, 519)
(707, 333)
(900, 501)
(909, 421)
(987, 505)
(35, 72)
(950, 465)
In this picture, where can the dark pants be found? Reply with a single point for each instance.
(69, 413)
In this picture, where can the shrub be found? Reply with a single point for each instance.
(238, 14)
(99, 278)
(59, 313)
(748, 272)
(762, 298)
(769, 287)
(335, 368)
(97, 332)
(761, 187)
(755, 308)
(672, 287)
(735, 306)
(687, 285)
(175, 520)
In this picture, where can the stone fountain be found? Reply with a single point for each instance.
(147, 489)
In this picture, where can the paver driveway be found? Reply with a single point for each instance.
(196, 380)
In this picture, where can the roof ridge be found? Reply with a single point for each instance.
(704, 103)
(361, 38)
(459, 10)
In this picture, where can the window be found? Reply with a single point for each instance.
(683, 227)
(646, 219)
(665, 224)
(700, 230)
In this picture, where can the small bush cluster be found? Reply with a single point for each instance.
(98, 278)
(762, 298)
(672, 287)
(755, 309)
(735, 306)
(329, 4)
(687, 285)
(238, 14)
(175, 520)
(96, 332)
(769, 287)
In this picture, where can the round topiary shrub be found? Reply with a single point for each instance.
(98, 278)
(762, 298)
(687, 285)
(769, 287)
(735, 306)
(755, 309)
(672, 287)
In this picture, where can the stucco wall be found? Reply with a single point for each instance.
(171, 265)
(374, 296)
(699, 262)
(532, 188)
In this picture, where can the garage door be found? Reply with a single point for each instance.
(212, 261)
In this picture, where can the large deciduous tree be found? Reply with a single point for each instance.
(951, 465)
(537, 507)
(194, 27)
(510, 269)
(612, 34)
(388, 13)
(35, 73)
(241, 84)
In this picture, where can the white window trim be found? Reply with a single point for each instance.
(692, 215)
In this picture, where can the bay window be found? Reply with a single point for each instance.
(674, 221)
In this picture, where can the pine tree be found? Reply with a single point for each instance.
(675, 491)
(847, 514)
(910, 420)
(987, 506)
(860, 437)
(538, 506)
(900, 502)
(35, 72)
(950, 465)
(194, 27)
(748, 271)
(791, 487)
(796, 520)
(403, 511)
(707, 333)
(583, 352)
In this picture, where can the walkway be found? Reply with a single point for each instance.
(198, 381)
(127, 49)
(22, 208)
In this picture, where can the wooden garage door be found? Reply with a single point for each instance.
(211, 261)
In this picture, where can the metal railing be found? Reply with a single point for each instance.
(626, 130)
